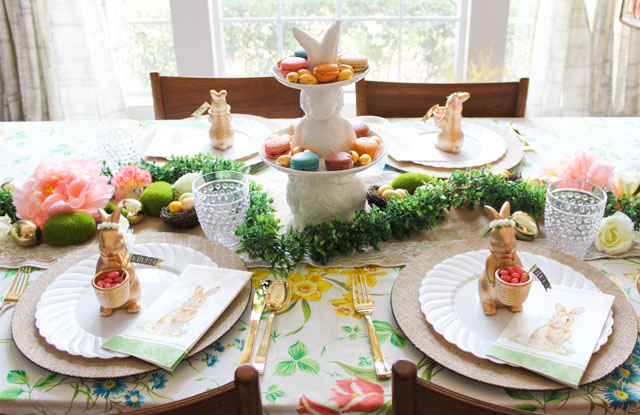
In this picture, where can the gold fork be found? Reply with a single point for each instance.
(363, 305)
(17, 288)
(526, 146)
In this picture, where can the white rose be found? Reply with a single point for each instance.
(5, 226)
(627, 183)
(616, 234)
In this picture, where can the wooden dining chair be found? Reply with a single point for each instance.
(398, 99)
(176, 97)
(240, 397)
(414, 396)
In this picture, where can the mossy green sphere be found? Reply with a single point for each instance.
(156, 196)
(68, 228)
(411, 181)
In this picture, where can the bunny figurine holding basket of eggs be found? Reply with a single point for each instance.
(504, 283)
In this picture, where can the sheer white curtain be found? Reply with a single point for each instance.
(583, 69)
(55, 62)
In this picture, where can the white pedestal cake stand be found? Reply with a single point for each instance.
(321, 196)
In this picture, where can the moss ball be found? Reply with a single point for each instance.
(68, 228)
(410, 181)
(156, 196)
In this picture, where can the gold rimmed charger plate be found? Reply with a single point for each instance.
(36, 349)
(512, 156)
(411, 320)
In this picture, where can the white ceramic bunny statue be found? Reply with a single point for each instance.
(221, 131)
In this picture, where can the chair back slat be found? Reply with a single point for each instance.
(397, 99)
(176, 97)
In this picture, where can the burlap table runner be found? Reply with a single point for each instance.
(35, 348)
(406, 310)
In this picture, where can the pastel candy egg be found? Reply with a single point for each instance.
(292, 77)
(284, 160)
(364, 159)
(188, 203)
(308, 79)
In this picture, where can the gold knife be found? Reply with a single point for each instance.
(256, 315)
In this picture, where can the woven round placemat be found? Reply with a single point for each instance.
(406, 310)
(510, 159)
(35, 348)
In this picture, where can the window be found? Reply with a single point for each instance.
(408, 40)
(142, 42)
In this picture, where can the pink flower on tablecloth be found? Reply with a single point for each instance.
(583, 165)
(72, 186)
(127, 180)
(354, 395)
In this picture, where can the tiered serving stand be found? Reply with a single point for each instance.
(321, 196)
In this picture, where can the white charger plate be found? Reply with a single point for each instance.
(449, 300)
(68, 313)
(192, 138)
(416, 144)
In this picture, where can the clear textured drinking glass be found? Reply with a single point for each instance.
(222, 200)
(572, 215)
(121, 146)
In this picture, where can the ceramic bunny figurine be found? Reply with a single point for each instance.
(114, 255)
(449, 120)
(557, 331)
(173, 321)
(221, 132)
(503, 254)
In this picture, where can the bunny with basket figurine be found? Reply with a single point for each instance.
(114, 254)
(221, 132)
(172, 322)
(502, 254)
(557, 331)
(449, 120)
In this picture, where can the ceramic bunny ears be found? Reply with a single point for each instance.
(325, 51)
(505, 211)
(215, 95)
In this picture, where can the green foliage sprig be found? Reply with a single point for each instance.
(6, 205)
(628, 206)
(178, 166)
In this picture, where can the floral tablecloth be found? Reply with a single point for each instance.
(320, 359)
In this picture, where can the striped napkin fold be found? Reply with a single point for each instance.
(168, 328)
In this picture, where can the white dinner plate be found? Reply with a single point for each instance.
(187, 139)
(449, 299)
(416, 144)
(68, 314)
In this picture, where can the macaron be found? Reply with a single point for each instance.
(361, 129)
(277, 146)
(366, 145)
(293, 64)
(340, 160)
(357, 62)
(305, 161)
(301, 53)
(326, 72)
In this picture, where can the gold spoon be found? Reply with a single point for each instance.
(277, 299)
(526, 146)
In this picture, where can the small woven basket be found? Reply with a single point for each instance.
(511, 294)
(113, 297)
(375, 199)
(184, 219)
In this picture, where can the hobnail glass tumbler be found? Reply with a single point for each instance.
(222, 200)
(121, 146)
(572, 215)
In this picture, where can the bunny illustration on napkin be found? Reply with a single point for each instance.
(557, 331)
(173, 322)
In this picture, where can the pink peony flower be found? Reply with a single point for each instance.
(583, 165)
(127, 180)
(73, 186)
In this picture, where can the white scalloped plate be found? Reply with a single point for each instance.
(68, 313)
(449, 299)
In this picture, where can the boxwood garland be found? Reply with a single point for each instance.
(263, 236)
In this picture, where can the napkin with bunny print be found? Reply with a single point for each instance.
(556, 333)
(166, 330)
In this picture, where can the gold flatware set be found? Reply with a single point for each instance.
(16, 289)
(526, 146)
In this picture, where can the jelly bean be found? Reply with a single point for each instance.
(517, 268)
(100, 284)
(117, 280)
(504, 272)
(515, 280)
(108, 280)
(515, 275)
(364, 159)
(524, 277)
(510, 269)
(113, 274)
(506, 278)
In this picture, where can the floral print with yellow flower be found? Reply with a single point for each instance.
(371, 275)
(309, 286)
(311, 268)
(344, 306)
(258, 276)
